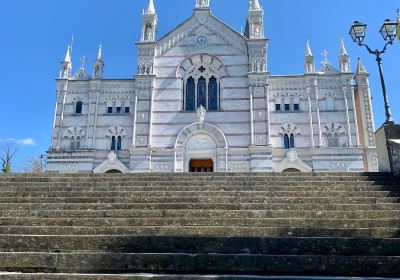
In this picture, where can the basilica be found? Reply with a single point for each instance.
(203, 99)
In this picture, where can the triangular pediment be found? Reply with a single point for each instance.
(200, 25)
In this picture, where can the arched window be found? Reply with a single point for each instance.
(119, 143)
(113, 144)
(213, 94)
(289, 131)
(202, 93)
(115, 133)
(73, 136)
(78, 107)
(286, 143)
(335, 135)
(190, 95)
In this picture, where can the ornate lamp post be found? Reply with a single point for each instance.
(388, 32)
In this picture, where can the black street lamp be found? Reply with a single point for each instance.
(388, 31)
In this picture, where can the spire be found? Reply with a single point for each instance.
(66, 65)
(309, 62)
(150, 8)
(344, 59)
(308, 48)
(360, 68)
(343, 50)
(68, 55)
(100, 54)
(98, 66)
(254, 5)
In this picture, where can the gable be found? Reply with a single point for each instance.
(201, 25)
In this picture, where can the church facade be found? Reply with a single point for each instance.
(203, 100)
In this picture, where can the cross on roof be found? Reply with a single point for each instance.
(325, 54)
(202, 69)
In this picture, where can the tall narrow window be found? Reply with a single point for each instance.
(190, 95)
(78, 143)
(202, 93)
(113, 143)
(286, 142)
(78, 107)
(72, 144)
(287, 106)
(119, 144)
(213, 94)
(292, 144)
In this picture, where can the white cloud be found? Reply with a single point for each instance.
(26, 142)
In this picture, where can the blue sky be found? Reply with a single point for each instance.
(34, 36)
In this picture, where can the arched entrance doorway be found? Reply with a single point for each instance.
(203, 145)
(201, 165)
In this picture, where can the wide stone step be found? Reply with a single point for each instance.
(105, 262)
(242, 184)
(30, 189)
(114, 194)
(203, 199)
(229, 222)
(198, 206)
(203, 245)
(64, 188)
(225, 231)
(308, 214)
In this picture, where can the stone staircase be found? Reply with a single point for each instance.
(189, 226)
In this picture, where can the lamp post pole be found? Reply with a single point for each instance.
(389, 117)
(378, 53)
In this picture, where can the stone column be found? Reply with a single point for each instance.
(318, 116)
(64, 97)
(251, 90)
(310, 117)
(355, 116)
(344, 90)
(266, 89)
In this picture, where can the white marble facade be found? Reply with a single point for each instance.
(319, 121)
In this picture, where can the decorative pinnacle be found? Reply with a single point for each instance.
(254, 5)
(308, 48)
(360, 68)
(343, 50)
(68, 55)
(150, 8)
(100, 54)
